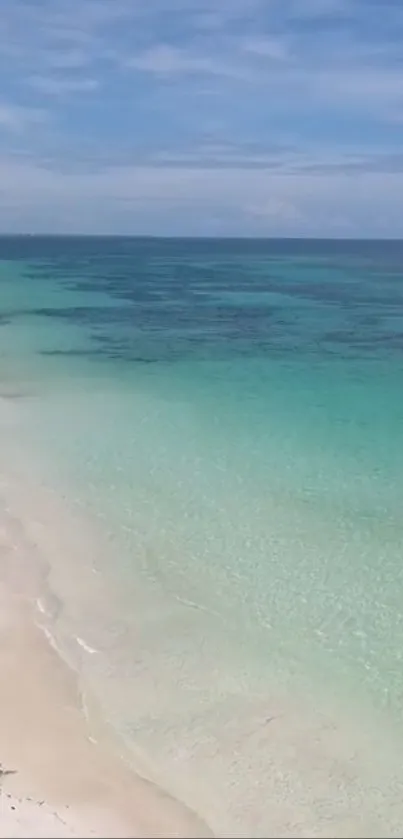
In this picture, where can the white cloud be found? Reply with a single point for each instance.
(317, 8)
(165, 60)
(57, 86)
(274, 210)
(271, 48)
(68, 59)
(59, 33)
(149, 199)
(16, 119)
(358, 90)
(204, 144)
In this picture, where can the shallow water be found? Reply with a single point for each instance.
(210, 464)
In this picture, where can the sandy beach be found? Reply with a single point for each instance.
(55, 780)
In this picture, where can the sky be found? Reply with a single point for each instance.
(202, 117)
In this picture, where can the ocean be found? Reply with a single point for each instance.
(202, 449)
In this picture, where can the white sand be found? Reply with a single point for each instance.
(55, 780)
(20, 818)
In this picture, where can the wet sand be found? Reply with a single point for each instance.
(55, 779)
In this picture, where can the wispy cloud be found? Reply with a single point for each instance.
(164, 60)
(261, 112)
(67, 59)
(268, 48)
(55, 86)
(16, 119)
(146, 199)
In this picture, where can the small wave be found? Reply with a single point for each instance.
(50, 638)
(40, 606)
(85, 646)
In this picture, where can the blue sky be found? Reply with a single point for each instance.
(202, 117)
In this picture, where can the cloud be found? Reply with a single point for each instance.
(164, 60)
(272, 48)
(141, 199)
(59, 33)
(55, 86)
(284, 160)
(282, 115)
(17, 119)
(67, 59)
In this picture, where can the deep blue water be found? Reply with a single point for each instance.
(178, 299)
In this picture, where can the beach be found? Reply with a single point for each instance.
(55, 779)
(65, 773)
(200, 509)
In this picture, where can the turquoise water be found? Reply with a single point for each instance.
(210, 435)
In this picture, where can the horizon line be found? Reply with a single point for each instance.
(200, 237)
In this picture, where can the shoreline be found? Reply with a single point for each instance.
(55, 779)
(311, 766)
